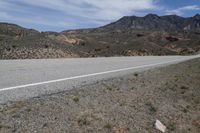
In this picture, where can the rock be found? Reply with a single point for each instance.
(159, 126)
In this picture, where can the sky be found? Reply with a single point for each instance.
(59, 15)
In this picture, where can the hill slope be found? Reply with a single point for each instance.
(129, 36)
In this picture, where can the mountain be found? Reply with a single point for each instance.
(17, 42)
(12, 29)
(155, 22)
(129, 36)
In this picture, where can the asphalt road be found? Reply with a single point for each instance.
(22, 79)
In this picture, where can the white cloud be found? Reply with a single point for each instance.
(95, 9)
(41, 21)
(112, 9)
(75, 12)
(182, 10)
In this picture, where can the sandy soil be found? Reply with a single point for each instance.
(129, 104)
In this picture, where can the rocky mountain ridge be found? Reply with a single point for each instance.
(155, 22)
(129, 36)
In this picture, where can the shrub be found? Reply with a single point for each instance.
(97, 50)
(76, 98)
(108, 126)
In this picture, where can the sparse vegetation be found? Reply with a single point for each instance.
(184, 88)
(108, 126)
(185, 110)
(82, 43)
(8, 49)
(97, 50)
(76, 98)
(14, 46)
(86, 118)
(46, 46)
(83, 121)
(172, 126)
(4, 126)
(172, 39)
(176, 79)
(133, 88)
(28, 109)
(13, 108)
(152, 109)
(140, 35)
(109, 88)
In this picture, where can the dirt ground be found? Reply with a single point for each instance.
(129, 104)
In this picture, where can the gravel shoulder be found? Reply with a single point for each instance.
(128, 104)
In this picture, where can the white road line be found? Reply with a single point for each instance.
(90, 75)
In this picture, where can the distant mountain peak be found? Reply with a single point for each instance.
(155, 22)
(197, 16)
(151, 16)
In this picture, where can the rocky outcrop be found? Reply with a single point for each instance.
(61, 38)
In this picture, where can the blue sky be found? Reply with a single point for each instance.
(59, 15)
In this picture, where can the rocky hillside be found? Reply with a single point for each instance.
(155, 22)
(19, 43)
(129, 36)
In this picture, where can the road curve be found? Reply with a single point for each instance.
(22, 79)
